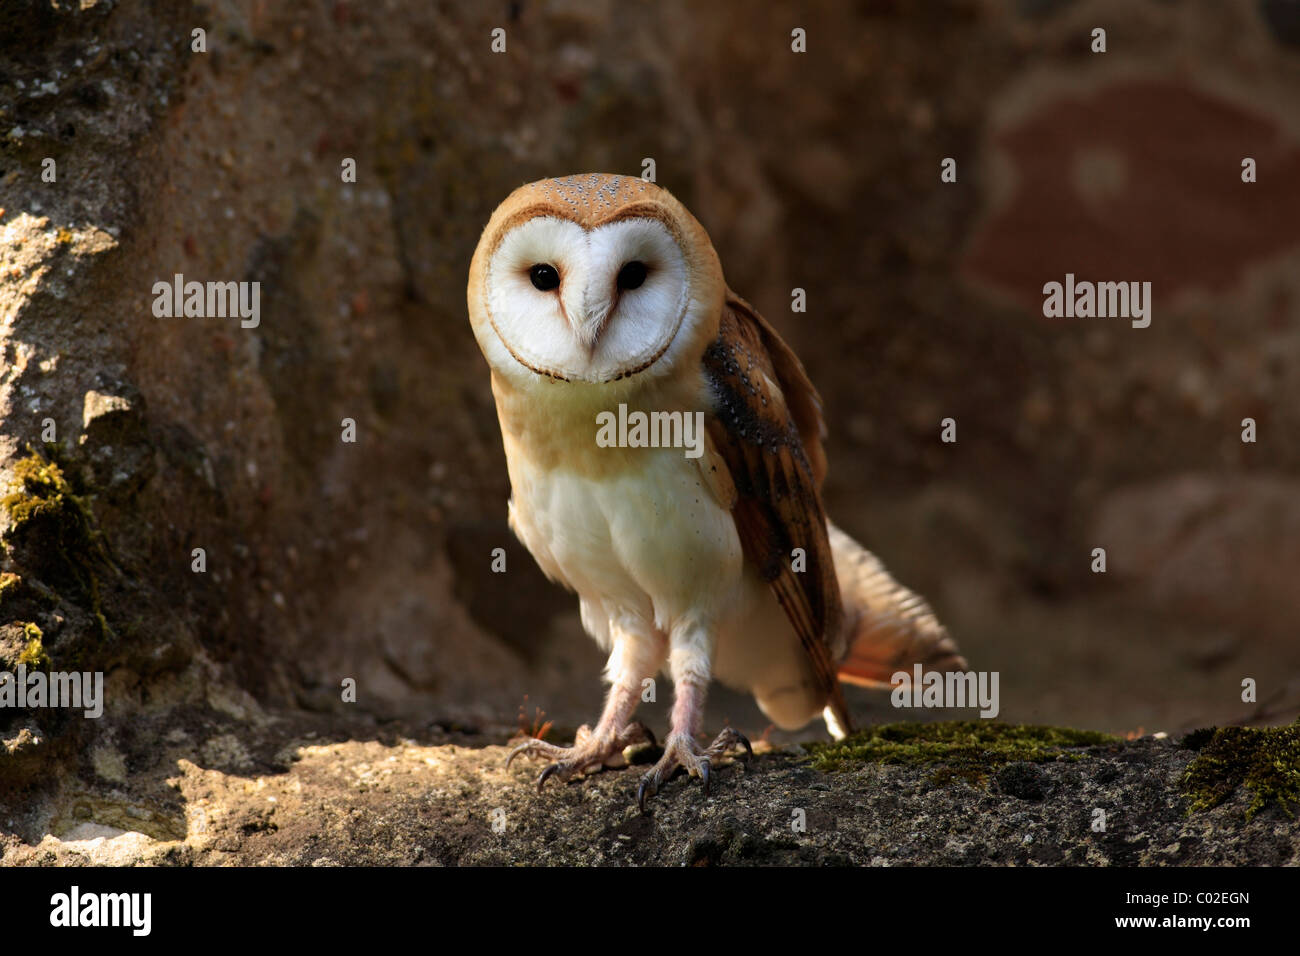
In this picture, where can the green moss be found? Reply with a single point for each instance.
(1266, 760)
(33, 654)
(46, 513)
(39, 490)
(967, 749)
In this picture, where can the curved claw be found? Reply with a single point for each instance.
(749, 751)
(517, 751)
(704, 775)
(546, 775)
(640, 793)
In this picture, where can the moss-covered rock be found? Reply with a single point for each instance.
(967, 749)
(54, 528)
(186, 785)
(1265, 760)
(33, 654)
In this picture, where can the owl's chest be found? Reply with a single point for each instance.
(640, 531)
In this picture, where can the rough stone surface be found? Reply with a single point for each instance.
(371, 561)
(281, 790)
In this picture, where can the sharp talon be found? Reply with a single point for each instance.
(546, 775)
(640, 794)
(704, 775)
(516, 752)
(749, 751)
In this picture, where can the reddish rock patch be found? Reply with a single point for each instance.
(1138, 181)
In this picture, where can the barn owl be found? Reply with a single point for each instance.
(597, 295)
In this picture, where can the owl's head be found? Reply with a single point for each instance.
(593, 278)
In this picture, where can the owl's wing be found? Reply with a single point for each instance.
(767, 428)
(888, 627)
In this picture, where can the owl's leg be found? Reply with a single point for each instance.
(690, 665)
(638, 652)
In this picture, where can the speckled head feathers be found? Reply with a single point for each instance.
(595, 199)
(592, 198)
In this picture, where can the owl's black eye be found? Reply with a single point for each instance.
(631, 275)
(544, 277)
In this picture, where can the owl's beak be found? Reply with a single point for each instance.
(589, 322)
(589, 332)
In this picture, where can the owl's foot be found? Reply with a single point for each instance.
(589, 751)
(681, 750)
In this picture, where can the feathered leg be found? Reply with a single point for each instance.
(689, 662)
(638, 652)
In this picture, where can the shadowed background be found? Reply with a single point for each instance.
(818, 171)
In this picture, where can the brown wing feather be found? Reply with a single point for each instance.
(887, 627)
(767, 427)
(801, 398)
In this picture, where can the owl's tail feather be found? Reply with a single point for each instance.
(887, 627)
